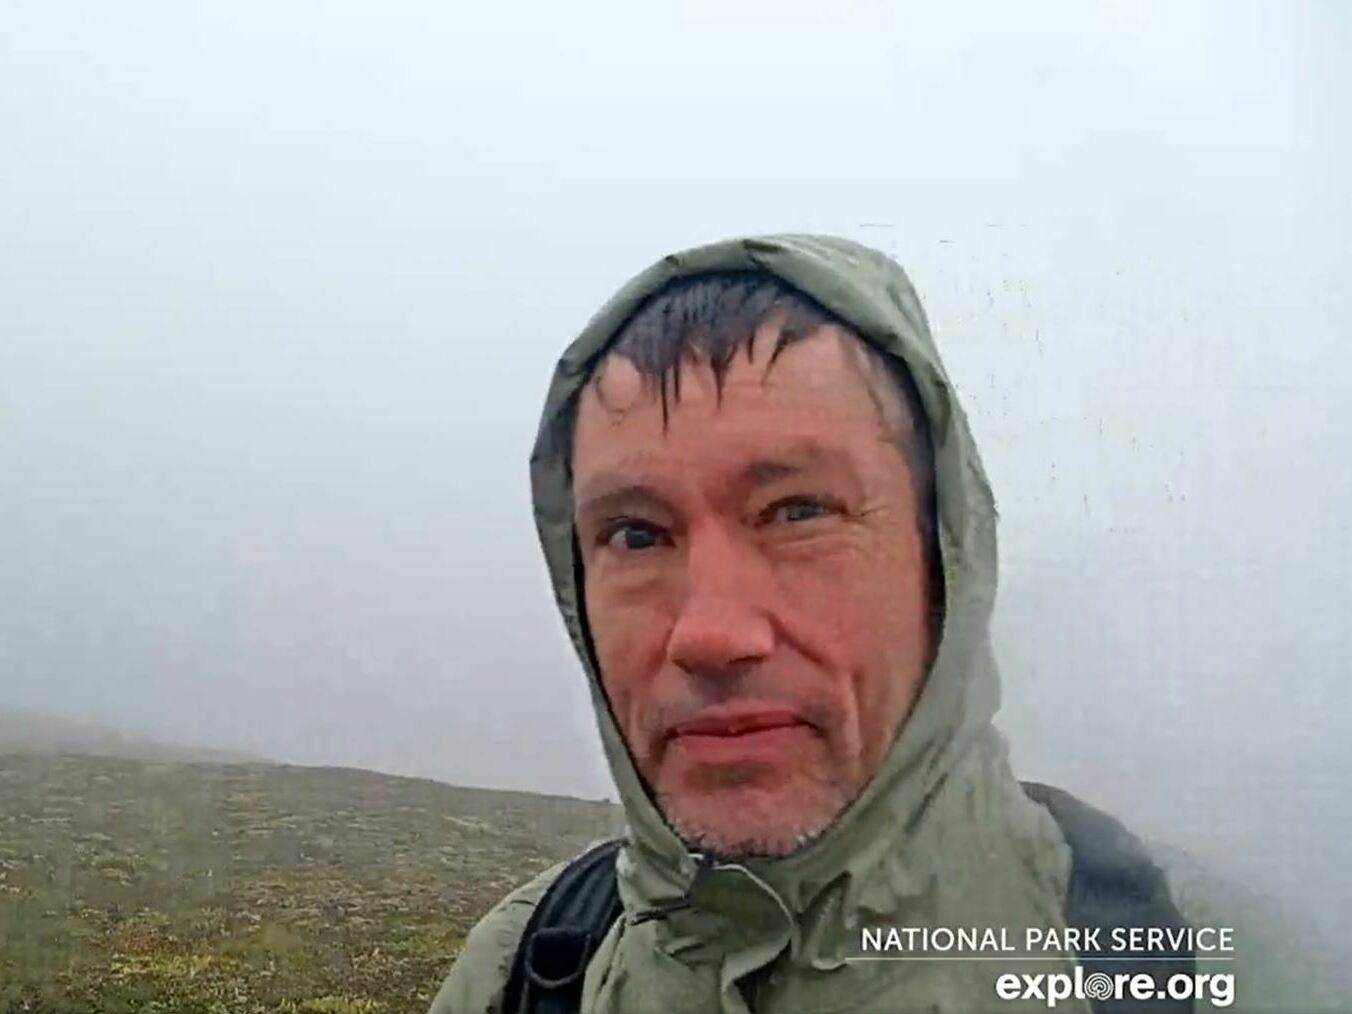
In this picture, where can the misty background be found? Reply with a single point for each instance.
(281, 287)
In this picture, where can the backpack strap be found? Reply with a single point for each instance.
(564, 931)
(1113, 884)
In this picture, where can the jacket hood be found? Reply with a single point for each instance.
(943, 799)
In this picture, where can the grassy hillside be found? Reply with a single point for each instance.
(172, 887)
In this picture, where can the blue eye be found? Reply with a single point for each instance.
(632, 535)
(799, 508)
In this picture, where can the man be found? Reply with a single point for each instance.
(773, 543)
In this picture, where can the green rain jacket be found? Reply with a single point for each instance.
(943, 836)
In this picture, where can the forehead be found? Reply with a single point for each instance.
(816, 389)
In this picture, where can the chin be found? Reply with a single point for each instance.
(749, 820)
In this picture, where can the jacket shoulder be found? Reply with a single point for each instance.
(1115, 879)
(479, 975)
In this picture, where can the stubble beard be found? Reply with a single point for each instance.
(738, 812)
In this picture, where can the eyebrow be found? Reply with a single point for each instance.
(789, 461)
(613, 492)
(767, 470)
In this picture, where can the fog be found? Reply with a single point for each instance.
(281, 289)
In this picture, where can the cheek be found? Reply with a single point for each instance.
(630, 637)
(852, 597)
(900, 648)
(868, 608)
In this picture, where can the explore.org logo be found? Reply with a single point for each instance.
(1053, 987)
(1138, 963)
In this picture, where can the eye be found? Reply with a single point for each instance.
(631, 534)
(798, 508)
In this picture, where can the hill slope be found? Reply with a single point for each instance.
(135, 886)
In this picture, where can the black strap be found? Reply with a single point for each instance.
(1113, 885)
(563, 932)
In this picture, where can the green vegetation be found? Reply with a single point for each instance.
(130, 886)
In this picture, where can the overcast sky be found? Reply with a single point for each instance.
(281, 287)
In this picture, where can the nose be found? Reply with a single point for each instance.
(724, 622)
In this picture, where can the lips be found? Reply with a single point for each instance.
(731, 724)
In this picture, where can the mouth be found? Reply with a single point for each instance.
(723, 724)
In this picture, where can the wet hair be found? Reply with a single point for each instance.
(711, 318)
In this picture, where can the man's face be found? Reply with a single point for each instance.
(755, 586)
